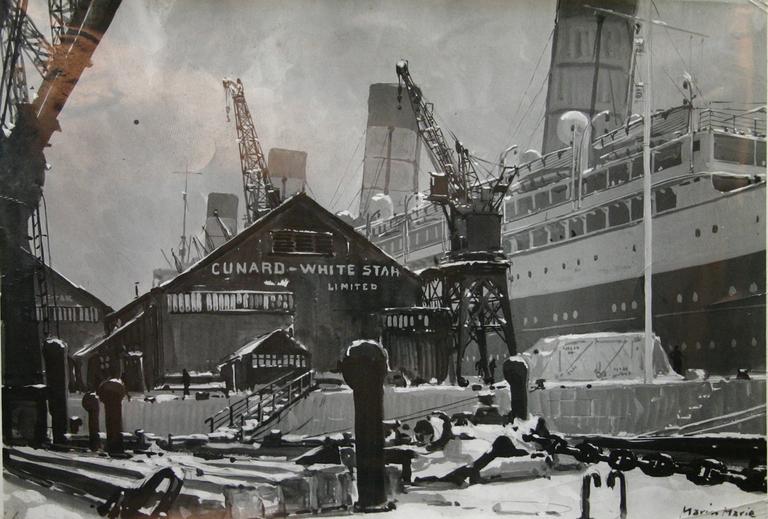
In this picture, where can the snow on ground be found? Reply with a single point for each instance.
(24, 500)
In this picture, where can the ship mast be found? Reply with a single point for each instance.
(647, 216)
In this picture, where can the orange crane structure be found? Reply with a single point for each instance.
(261, 196)
(26, 125)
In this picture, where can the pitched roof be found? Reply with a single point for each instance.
(93, 346)
(276, 341)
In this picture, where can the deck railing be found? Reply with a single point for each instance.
(752, 123)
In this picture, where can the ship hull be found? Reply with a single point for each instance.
(720, 336)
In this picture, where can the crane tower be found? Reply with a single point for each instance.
(260, 195)
(471, 281)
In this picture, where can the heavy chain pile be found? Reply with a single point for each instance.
(703, 471)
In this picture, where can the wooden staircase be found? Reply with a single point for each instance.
(253, 414)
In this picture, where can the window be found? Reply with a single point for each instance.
(667, 157)
(540, 236)
(302, 242)
(524, 205)
(618, 214)
(523, 241)
(735, 149)
(760, 153)
(595, 221)
(236, 301)
(542, 199)
(637, 167)
(576, 227)
(556, 232)
(637, 208)
(594, 182)
(510, 209)
(559, 194)
(618, 174)
(666, 199)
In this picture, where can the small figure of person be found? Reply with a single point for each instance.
(479, 368)
(186, 379)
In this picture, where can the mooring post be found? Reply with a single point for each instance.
(111, 392)
(364, 367)
(516, 374)
(56, 368)
(91, 406)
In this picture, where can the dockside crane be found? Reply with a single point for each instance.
(261, 196)
(472, 206)
(471, 281)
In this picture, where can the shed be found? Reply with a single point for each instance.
(418, 341)
(264, 359)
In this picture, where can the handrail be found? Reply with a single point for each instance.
(751, 123)
(243, 407)
(296, 389)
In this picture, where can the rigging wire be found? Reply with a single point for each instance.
(530, 108)
(530, 82)
(346, 170)
(686, 66)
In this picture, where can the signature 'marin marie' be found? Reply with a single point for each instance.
(740, 511)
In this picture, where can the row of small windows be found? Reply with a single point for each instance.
(664, 158)
(618, 213)
(199, 302)
(555, 317)
(406, 321)
(279, 360)
(712, 345)
(77, 314)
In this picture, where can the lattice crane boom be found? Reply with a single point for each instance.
(260, 195)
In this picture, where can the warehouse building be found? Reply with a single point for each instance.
(297, 266)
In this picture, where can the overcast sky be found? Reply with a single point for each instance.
(114, 201)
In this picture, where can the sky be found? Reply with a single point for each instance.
(152, 104)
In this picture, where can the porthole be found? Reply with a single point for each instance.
(634, 248)
(679, 298)
(714, 229)
(623, 306)
(634, 305)
(697, 233)
(529, 274)
(753, 342)
(563, 266)
(565, 316)
(757, 219)
(554, 317)
(683, 346)
(546, 270)
(535, 319)
(731, 291)
(753, 287)
(711, 345)
(695, 297)
(733, 343)
(575, 314)
(578, 262)
(525, 321)
(595, 257)
(613, 308)
(698, 345)
(517, 276)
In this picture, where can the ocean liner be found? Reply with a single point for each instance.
(573, 230)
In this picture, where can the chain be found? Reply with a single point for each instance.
(703, 471)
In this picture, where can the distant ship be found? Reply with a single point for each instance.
(574, 235)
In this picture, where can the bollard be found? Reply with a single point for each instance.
(91, 406)
(364, 367)
(516, 373)
(111, 392)
(56, 368)
(589, 478)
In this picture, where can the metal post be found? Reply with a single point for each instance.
(647, 207)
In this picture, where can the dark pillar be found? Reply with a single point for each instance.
(56, 368)
(364, 367)
(516, 373)
(111, 392)
(91, 406)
